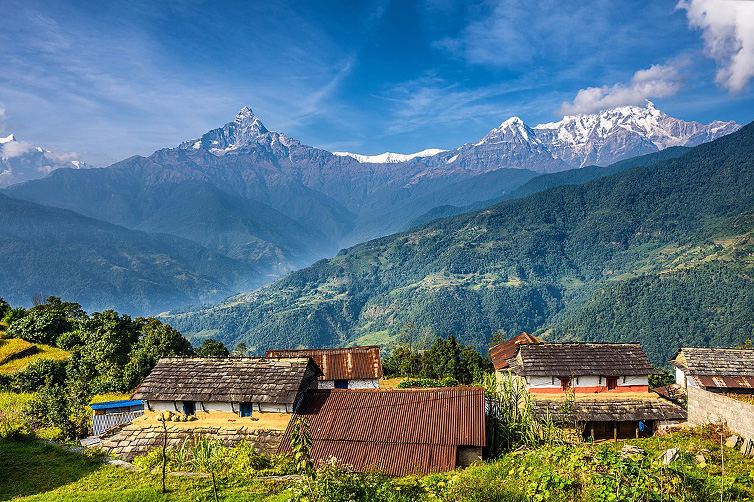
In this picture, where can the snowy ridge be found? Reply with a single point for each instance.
(22, 161)
(389, 157)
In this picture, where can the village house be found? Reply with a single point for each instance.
(344, 368)
(603, 388)
(397, 432)
(501, 352)
(720, 386)
(234, 399)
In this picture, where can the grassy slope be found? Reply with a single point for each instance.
(515, 266)
(34, 471)
(15, 354)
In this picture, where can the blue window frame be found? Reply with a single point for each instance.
(341, 384)
(189, 408)
(246, 409)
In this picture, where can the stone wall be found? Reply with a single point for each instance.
(131, 440)
(709, 408)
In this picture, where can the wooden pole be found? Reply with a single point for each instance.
(164, 449)
(615, 431)
(214, 486)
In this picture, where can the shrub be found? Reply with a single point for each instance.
(37, 374)
(52, 406)
(427, 382)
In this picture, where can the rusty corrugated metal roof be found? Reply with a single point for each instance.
(340, 364)
(399, 431)
(501, 352)
(725, 382)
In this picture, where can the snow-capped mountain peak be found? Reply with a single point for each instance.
(390, 157)
(245, 130)
(22, 161)
(512, 130)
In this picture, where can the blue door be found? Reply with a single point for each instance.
(245, 409)
(341, 384)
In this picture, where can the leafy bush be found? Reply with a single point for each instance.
(37, 374)
(41, 326)
(52, 406)
(427, 382)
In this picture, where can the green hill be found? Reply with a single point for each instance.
(532, 264)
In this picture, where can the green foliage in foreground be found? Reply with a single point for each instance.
(581, 473)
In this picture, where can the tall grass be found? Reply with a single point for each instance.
(512, 418)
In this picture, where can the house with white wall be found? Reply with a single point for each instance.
(342, 368)
(603, 388)
(230, 388)
(719, 384)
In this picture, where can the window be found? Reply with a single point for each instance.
(189, 408)
(246, 409)
(612, 383)
(341, 384)
(565, 383)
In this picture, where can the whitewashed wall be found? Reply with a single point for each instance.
(218, 406)
(541, 382)
(372, 383)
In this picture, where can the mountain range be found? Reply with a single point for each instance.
(270, 204)
(661, 254)
(22, 161)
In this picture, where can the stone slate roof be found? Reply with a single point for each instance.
(243, 379)
(501, 352)
(715, 362)
(340, 364)
(576, 359)
(608, 410)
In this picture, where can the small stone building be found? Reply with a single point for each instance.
(395, 431)
(720, 386)
(601, 387)
(343, 368)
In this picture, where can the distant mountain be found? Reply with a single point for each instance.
(58, 252)
(661, 237)
(577, 141)
(544, 181)
(22, 161)
(389, 157)
(275, 204)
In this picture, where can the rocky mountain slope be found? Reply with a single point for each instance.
(274, 204)
(532, 264)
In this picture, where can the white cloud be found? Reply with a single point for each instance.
(658, 81)
(16, 148)
(61, 157)
(728, 32)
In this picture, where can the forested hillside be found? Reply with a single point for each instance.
(517, 265)
(104, 265)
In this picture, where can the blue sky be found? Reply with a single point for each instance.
(112, 79)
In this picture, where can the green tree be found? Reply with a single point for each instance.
(41, 326)
(13, 315)
(157, 340)
(212, 348)
(4, 307)
(72, 310)
(443, 359)
(108, 339)
(240, 350)
(473, 366)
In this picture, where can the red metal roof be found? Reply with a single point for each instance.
(725, 382)
(398, 431)
(501, 352)
(340, 364)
